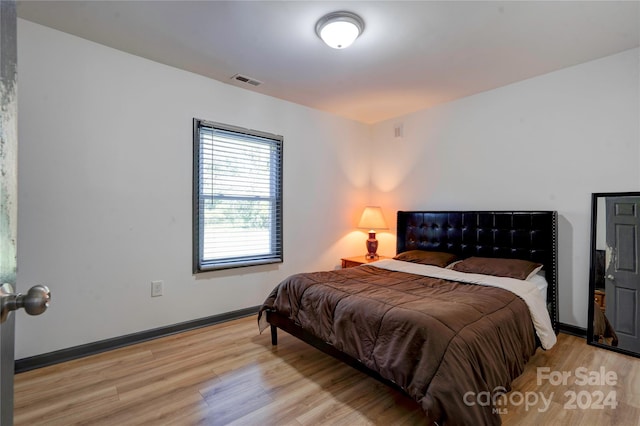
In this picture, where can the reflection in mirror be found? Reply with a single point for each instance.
(614, 284)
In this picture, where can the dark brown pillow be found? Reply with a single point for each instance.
(512, 268)
(436, 258)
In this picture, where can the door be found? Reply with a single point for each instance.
(8, 196)
(622, 278)
(37, 298)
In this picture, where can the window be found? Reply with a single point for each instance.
(237, 197)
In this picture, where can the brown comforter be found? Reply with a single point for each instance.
(436, 339)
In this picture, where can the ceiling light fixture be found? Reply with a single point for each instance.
(339, 29)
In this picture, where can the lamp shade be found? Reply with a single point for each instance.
(372, 218)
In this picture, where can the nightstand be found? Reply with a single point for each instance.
(350, 262)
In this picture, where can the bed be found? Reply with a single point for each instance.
(454, 315)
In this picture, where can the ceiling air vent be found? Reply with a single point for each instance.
(247, 80)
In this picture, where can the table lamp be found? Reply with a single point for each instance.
(372, 219)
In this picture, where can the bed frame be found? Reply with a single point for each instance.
(529, 235)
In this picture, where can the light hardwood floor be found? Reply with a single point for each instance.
(229, 374)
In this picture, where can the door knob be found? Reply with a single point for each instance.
(35, 302)
(611, 277)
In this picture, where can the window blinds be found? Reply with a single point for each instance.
(239, 196)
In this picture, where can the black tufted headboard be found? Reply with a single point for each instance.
(529, 235)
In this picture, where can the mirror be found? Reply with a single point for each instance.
(614, 279)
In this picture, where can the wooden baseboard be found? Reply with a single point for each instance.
(572, 330)
(62, 355)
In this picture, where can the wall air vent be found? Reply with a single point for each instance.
(247, 80)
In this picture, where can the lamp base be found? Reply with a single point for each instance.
(372, 246)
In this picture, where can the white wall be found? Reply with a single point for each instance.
(546, 143)
(105, 179)
(105, 154)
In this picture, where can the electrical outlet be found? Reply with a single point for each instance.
(156, 288)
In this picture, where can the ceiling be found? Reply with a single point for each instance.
(411, 56)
